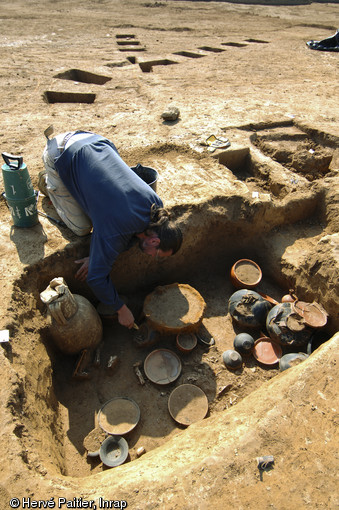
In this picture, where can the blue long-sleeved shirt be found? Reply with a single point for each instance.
(114, 197)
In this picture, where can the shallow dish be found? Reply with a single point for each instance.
(119, 416)
(266, 351)
(313, 314)
(269, 298)
(162, 366)
(187, 404)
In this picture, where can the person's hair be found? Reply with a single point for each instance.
(169, 233)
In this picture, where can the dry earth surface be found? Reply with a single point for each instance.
(236, 70)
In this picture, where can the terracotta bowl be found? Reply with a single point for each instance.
(245, 274)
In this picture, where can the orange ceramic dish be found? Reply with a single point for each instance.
(266, 351)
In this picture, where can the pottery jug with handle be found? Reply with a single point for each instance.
(75, 323)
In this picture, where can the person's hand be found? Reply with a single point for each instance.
(82, 272)
(125, 317)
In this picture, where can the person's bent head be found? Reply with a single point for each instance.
(162, 237)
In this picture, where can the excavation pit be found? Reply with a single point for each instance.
(78, 75)
(189, 54)
(147, 67)
(50, 96)
(211, 49)
(307, 155)
(235, 44)
(259, 41)
(56, 413)
(235, 216)
(121, 42)
(125, 36)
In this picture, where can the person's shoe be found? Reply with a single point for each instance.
(42, 185)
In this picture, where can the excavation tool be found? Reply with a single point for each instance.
(54, 220)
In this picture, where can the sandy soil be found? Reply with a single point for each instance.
(235, 70)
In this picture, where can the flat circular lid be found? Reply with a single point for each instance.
(313, 314)
(187, 404)
(119, 416)
(174, 308)
(162, 366)
(266, 351)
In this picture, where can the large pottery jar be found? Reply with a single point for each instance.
(75, 323)
(286, 327)
(248, 308)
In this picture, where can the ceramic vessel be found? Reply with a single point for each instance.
(286, 327)
(243, 343)
(186, 342)
(291, 359)
(113, 451)
(245, 274)
(75, 323)
(232, 359)
(248, 308)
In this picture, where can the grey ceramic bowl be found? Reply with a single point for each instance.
(113, 451)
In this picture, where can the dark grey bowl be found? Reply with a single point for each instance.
(114, 451)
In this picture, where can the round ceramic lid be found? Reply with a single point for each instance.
(313, 313)
(266, 351)
(119, 416)
(187, 404)
(162, 366)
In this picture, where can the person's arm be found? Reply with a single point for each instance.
(103, 254)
